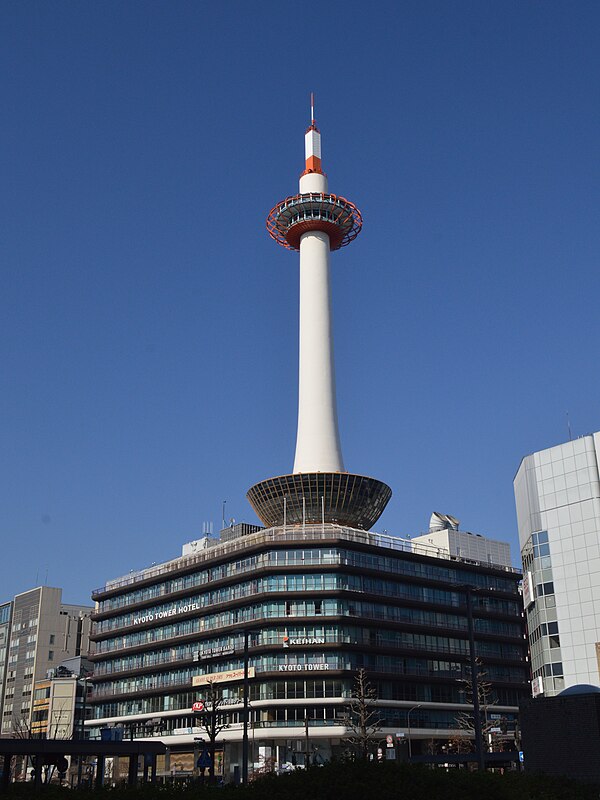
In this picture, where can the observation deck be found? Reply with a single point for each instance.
(314, 211)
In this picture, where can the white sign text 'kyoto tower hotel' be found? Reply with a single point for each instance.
(315, 222)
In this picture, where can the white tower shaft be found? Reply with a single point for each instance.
(318, 442)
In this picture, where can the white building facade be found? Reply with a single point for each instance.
(557, 493)
(445, 537)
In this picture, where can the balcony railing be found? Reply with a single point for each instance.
(307, 534)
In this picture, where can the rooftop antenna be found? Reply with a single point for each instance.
(569, 427)
(312, 108)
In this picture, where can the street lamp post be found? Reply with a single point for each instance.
(81, 726)
(307, 758)
(410, 710)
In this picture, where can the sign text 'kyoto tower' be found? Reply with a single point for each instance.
(315, 222)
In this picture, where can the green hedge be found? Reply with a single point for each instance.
(354, 781)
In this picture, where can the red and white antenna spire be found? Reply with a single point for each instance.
(312, 143)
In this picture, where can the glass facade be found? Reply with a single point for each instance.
(308, 556)
(315, 613)
(544, 639)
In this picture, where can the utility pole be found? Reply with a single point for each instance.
(410, 710)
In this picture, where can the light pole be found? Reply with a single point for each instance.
(307, 759)
(410, 710)
(254, 758)
(83, 676)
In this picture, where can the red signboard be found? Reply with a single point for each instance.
(198, 706)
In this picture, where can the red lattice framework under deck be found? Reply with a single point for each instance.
(315, 211)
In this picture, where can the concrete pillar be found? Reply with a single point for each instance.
(133, 770)
(37, 772)
(100, 772)
(116, 770)
(6, 773)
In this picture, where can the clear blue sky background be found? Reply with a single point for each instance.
(148, 325)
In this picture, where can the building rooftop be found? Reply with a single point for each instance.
(308, 533)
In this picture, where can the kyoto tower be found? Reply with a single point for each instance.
(315, 222)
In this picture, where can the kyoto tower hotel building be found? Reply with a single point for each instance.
(313, 596)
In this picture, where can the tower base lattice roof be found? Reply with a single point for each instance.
(314, 497)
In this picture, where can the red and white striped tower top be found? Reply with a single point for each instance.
(312, 143)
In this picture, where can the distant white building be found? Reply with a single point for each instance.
(445, 537)
(557, 494)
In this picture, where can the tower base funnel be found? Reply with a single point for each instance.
(340, 498)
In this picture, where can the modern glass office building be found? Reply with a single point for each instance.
(318, 603)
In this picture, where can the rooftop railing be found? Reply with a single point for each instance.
(308, 533)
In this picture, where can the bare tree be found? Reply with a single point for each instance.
(460, 743)
(266, 765)
(362, 716)
(21, 727)
(431, 747)
(213, 720)
(465, 720)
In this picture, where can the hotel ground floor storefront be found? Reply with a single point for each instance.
(308, 607)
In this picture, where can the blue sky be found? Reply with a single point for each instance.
(148, 325)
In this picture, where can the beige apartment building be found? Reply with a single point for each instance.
(39, 633)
